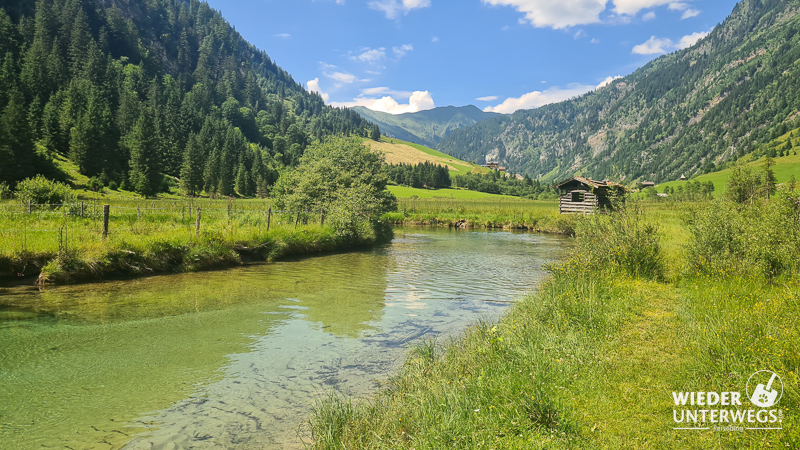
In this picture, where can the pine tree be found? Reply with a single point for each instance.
(16, 144)
(192, 169)
(145, 178)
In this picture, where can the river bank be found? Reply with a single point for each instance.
(518, 214)
(58, 244)
(644, 306)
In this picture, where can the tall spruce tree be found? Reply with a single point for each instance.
(145, 178)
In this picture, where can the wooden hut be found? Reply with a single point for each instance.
(582, 195)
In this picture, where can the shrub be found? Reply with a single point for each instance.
(41, 191)
(763, 239)
(5, 191)
(622, 240)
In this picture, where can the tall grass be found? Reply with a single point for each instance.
(154, 236)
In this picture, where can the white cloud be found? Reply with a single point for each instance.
(556, 13)
(282, 35)
(371, 92)
(649, 16)
(313, 86)
(401, 51)
(632, 7)
(393, 8)
(536, 99)
(607, 81)
(595, 41)
(654, 46)
(691, 39)
(417, 101)
(688, 12)
(435, 39)
(488, 98)
(579, 34)
(342, 77)
(370, 55)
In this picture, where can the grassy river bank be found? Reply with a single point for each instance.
(653, 301)
(65, 244)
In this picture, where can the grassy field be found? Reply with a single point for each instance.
(149, 236)
(401, 152)
(784, 168)
(446, 193)
(489, 212)
(640, 310)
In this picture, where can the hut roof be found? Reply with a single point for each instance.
(589, 182)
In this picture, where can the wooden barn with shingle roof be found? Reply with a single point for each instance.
(585, 196)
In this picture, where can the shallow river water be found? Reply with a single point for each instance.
(236, 358)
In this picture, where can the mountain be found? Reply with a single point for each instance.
(425, 127)
(683, 113)
(140, 92)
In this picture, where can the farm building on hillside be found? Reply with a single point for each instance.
(582, 195)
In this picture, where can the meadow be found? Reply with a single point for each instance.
(66, 243)
(784, 168)
(478, 210)
(657, 299)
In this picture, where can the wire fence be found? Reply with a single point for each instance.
(58, 227)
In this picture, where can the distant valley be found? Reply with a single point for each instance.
(425, 127)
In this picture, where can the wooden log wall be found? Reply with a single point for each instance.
(587, 206)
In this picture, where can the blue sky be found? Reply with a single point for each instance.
(500, 55)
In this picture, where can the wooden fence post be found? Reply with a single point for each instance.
(229, 210)
(297, 220)
(322, 219)
(81, 209)
(197, 224)
(30, 208)
(106, 210)
(138, 213)
(269, 218)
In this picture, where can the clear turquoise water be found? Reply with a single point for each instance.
(236, 358)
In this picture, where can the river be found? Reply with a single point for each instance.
(236, 358)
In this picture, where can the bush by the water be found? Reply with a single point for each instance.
(730, 238)
(41, 191)
(623, 240)
(344, 179)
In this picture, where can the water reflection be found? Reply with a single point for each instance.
(235, 358)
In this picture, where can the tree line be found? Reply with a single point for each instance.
(497, 183)
(142, 91)
(421, 175)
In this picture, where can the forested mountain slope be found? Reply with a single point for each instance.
(682, 113)
(425, 127)
(131, 90)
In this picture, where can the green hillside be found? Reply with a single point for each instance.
(397, 151)
(425, 127)
(137, 92)
(784, 168)
(683, 113)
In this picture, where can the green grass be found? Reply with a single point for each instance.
(149, 236)
(784, 168)
(489, 212)
(591, 359)
(446, 193)
(462, 168)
